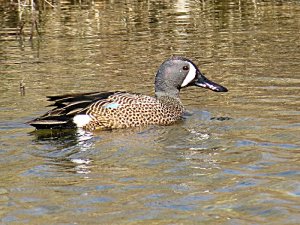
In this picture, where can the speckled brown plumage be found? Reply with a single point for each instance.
(134, 110)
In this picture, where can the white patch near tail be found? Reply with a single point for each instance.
(81, 120)
(190, 76)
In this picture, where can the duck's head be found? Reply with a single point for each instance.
(179, 72)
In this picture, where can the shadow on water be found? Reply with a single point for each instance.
(73, 148)
(78, 151)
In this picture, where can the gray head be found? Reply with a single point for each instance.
(179, 72)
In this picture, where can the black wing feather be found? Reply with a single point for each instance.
(66, 107)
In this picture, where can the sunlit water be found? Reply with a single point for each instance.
(234, 159)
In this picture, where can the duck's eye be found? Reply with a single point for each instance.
(185, 68)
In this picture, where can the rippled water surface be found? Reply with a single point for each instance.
(234, 159)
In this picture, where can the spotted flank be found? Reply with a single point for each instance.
(133, 110)
(110, 110)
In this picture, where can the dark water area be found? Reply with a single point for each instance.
(234, 159)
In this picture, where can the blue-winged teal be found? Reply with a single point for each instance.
(107, 110)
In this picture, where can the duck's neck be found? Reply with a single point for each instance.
(165, 89)
(170, 94)
(169, 99)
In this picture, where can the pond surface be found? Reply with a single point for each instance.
(234, 159)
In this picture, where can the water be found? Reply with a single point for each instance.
(234, 159)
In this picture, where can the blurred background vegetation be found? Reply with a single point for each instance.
(31, 17)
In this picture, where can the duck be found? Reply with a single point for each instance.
(119, 109)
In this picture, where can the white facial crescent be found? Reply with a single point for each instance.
(190, 76)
